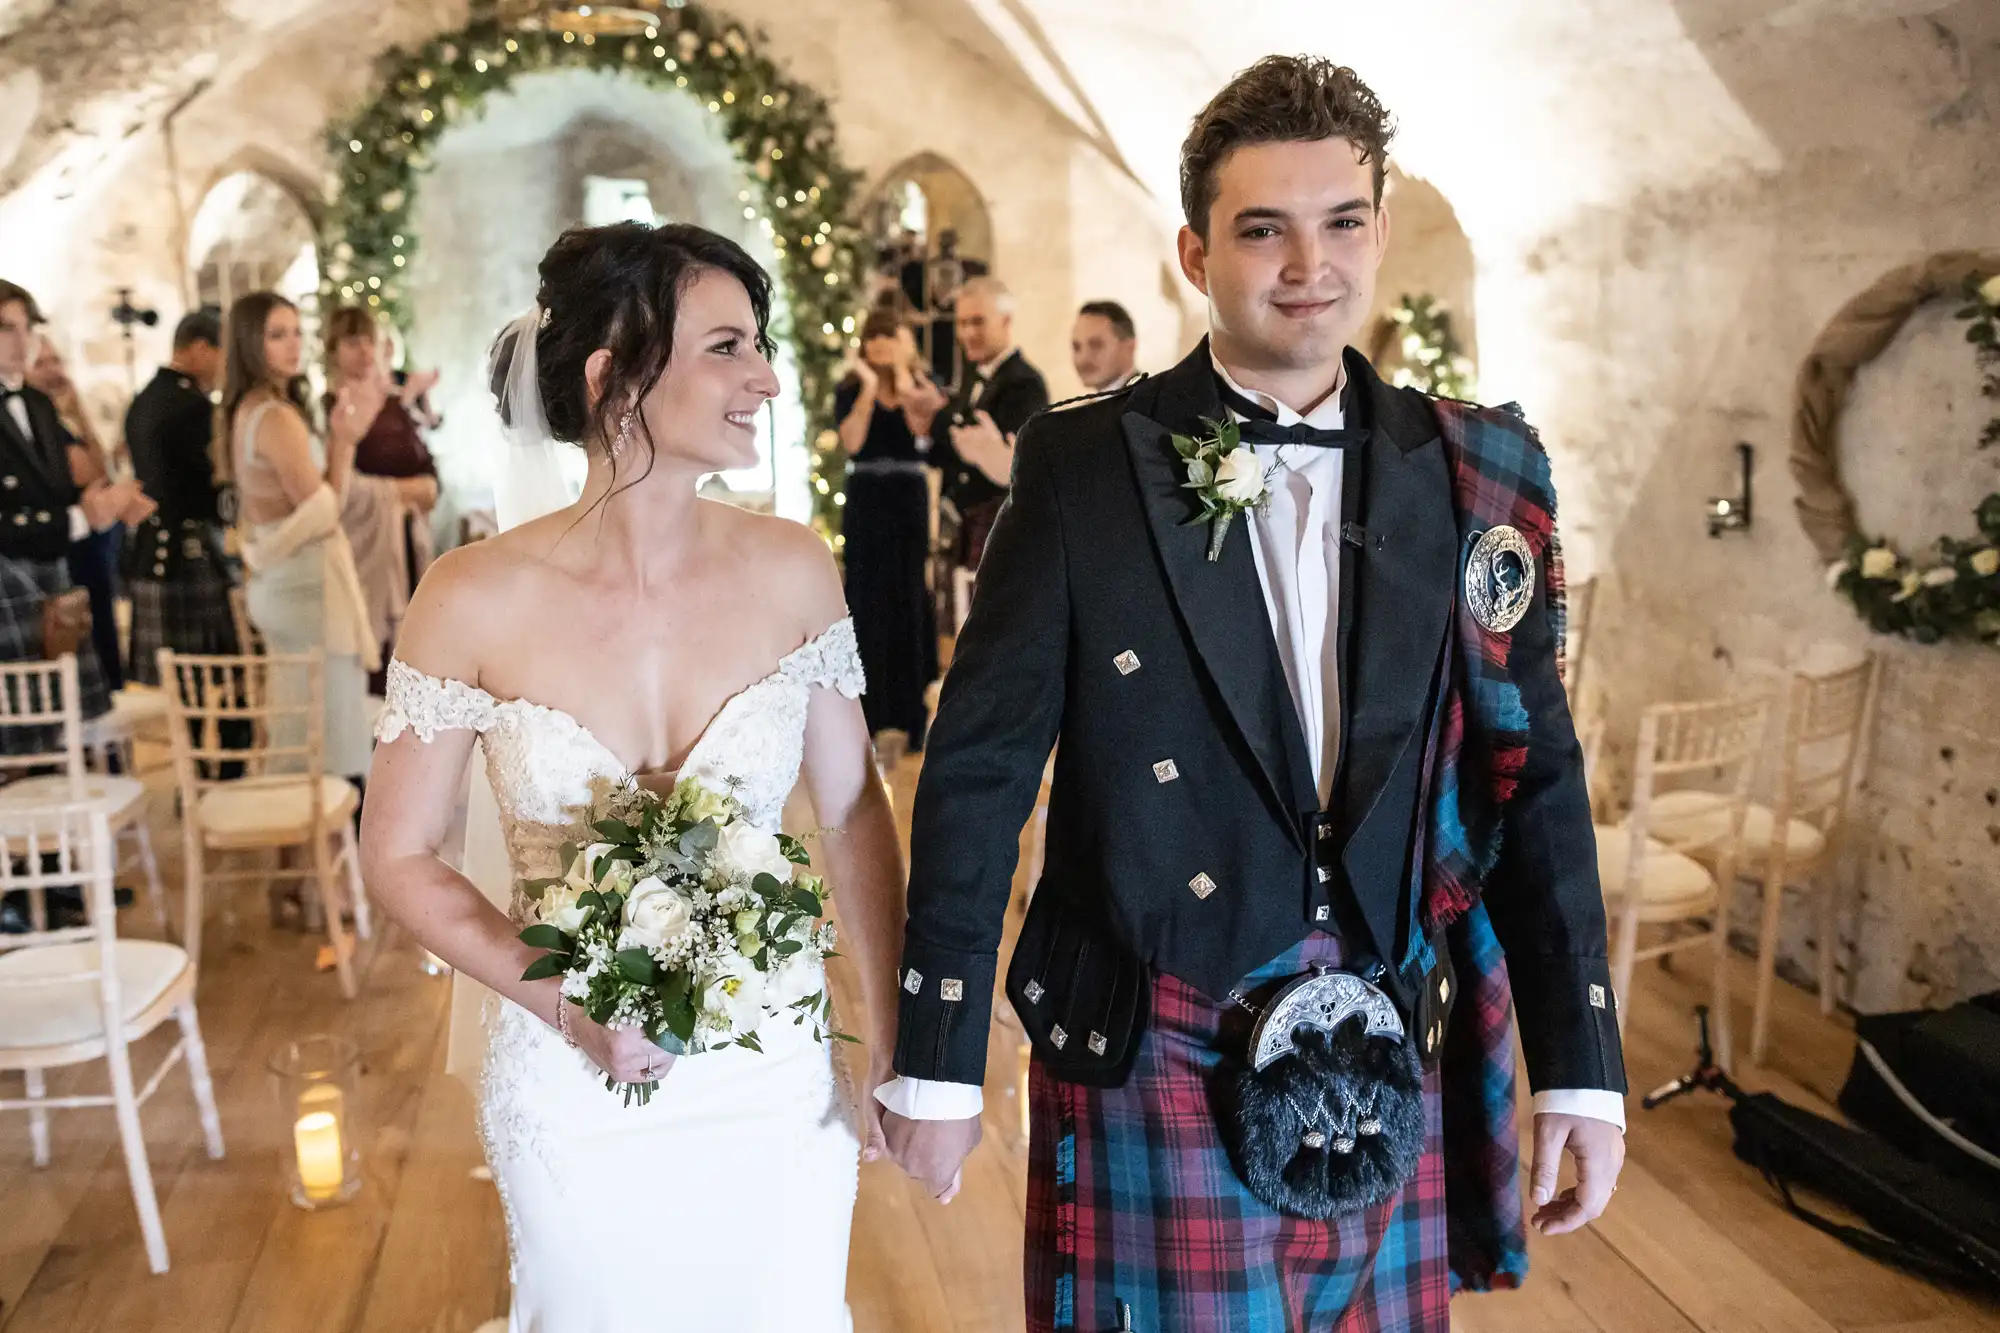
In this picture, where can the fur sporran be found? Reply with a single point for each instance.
(1334, 1127)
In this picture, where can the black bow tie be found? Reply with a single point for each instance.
(6, 393)
(1260, 425)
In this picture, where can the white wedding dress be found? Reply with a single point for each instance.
(725, 1203)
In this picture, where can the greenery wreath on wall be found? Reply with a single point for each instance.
(1952, 591)
(782, 132)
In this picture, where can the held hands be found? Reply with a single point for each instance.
(113, 502)
(932, 1152)
(1598, 1147)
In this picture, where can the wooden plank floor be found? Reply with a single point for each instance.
(1695, 1241)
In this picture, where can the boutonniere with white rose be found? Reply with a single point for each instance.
(686, 921)
(1225, 476)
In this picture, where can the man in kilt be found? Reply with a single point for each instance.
(175, 566)
(43, 510)
(1297, 633)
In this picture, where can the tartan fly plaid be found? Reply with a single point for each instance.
(1131, 1197)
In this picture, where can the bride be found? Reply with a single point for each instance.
(639, 635)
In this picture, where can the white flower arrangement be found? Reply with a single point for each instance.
(687, 922)
(1225, 476)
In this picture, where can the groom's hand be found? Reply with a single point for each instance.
(1598, 1147)
(932, 1151)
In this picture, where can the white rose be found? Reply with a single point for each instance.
(1239, 478)
(744, 848)
(1989, 290)
(558, 907)
(583, 871)
(1878, 563)
(655, 915)
(1939, 577)
(1911, 582)
(1986, 562)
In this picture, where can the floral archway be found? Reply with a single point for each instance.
(802, 194)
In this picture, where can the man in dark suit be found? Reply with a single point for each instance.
(179, 577)
(1317, 736)
(972, 438)
(42, 509)
(1104, 347)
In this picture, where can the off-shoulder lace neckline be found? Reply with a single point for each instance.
(563, 716)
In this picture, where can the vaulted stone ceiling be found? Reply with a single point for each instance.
(1526, 110)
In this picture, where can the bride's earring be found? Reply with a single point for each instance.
(624, 436)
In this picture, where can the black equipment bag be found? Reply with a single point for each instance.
(1929, 1082)
(1918, 1217)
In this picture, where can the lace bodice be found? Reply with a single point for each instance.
(546, 768)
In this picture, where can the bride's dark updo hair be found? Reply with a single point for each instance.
(618, 287)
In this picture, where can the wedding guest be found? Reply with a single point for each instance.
(1104, 347)
(175, 568)
(42, 510)
(387, 514)
(94, 558)
(974, 433)
(303, 592)
(887, 526)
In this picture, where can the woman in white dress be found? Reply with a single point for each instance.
(639, 635)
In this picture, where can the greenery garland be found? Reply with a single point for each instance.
(782, 131)
(1956, 594)
(1433, 360)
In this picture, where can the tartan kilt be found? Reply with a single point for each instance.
(188, 613)
(24, 586)
(1131, 1196)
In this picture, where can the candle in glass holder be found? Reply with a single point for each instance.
(316, 1140)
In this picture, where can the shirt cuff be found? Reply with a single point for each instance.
(1590, 1103)
(930, 1099)
(79, 526)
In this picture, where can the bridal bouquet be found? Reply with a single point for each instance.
(687, 922)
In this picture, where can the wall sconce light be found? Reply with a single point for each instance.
(1729, 512)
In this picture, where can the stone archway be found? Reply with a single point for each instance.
(800, 194)
(1429, 256)
(929, 229)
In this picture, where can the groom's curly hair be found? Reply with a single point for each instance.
(618, 287)
(1281, 99)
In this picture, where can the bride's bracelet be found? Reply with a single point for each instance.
(562, 1021)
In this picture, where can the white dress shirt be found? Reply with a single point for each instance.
(1296, 542)
(17, 408)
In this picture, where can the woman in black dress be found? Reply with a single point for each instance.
(887, 527)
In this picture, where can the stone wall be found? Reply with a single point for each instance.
(1674, 325)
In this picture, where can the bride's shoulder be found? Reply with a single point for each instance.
(785, 554)
(467, 595)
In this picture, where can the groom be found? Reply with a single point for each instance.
(1342, 741)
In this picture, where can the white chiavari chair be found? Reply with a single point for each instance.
(78, 994)
(284, 800)
(1649, 885)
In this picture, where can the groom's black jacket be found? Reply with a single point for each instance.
(1209, 868)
